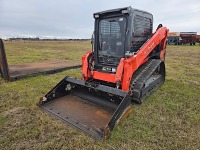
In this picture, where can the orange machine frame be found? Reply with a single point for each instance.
(127, 66)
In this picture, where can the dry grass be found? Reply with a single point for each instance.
(21, 52)
(168, 119)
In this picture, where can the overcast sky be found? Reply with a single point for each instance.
(74, 18)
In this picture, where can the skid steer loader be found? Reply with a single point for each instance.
(125, 65)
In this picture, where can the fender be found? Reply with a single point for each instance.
(86, 73)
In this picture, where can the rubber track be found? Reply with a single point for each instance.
(140, 77)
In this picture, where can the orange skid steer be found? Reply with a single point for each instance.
(125, 65)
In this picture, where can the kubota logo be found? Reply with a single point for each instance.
(149, 48)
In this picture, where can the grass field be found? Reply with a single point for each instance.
(168, 119)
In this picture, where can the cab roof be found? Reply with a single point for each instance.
(119, 10)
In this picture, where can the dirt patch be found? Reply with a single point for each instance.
(33, 68)
(16, 110)
(194, 82)
(16, 117)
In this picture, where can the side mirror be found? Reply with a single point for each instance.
(92, 39)
(92, 42)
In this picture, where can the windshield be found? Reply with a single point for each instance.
(111, 39)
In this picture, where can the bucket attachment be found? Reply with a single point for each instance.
(18, 71)
(92, 108)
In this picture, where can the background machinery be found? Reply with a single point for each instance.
(174, 38)
(188, 38)
(126, 64)
(12, 72)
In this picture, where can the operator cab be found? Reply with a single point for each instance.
(119, 33)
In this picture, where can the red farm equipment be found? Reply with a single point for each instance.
(126, 64)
